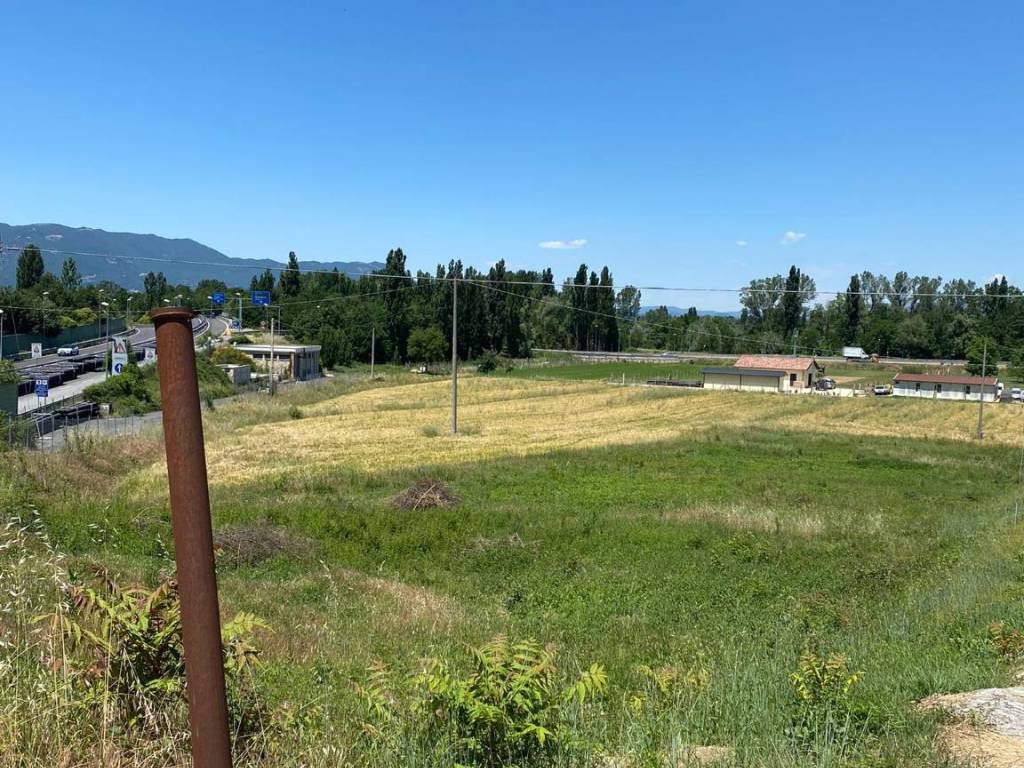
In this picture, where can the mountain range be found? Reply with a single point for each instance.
(125, 257)
(679, 311)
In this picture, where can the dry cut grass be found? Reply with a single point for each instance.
(396, 427)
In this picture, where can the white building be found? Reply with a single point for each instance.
(764, 373)
(939, 387)
(297, 361)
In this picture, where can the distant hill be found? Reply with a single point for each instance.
(678, 311)
(124, 257)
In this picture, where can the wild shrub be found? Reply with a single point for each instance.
(659, 709)
(295, 413)
(824, 720)
(228, 355)
(1007, 642)
(509, 710)
(126, 661)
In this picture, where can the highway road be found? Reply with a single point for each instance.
(141, 336)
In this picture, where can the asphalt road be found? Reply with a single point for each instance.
(142, 336)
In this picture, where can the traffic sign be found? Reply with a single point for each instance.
(150, 354)
(261, 298)
(37, 349)
(42, 387)
(217, 298)
(118, 354)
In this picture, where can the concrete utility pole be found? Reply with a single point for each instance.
(193, 538)
(373, 348)
(239, 297)
(272, 388)
(981, 400)
(455, 354)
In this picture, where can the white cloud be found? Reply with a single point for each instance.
(741, 243)
(563, 245)
(792, 238)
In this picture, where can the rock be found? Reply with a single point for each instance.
(991, 730)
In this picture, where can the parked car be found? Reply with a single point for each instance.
(882, 389)
(70, 351)
(1016, 393)
(824, 385)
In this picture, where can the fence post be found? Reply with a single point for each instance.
(193, 537)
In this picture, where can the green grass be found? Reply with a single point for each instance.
(731, 552)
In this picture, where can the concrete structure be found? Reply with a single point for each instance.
(938, 387)
(749, 379)
(239, 374)
(801, 372)
(297, 361)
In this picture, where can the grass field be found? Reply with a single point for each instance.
(713, 536)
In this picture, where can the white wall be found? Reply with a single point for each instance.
(949, 391)
(732, 381)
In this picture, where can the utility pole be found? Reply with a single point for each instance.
(981, 399)
(272, 387)
(239, 297)
(455, 354)
(794, 342)
(193, 538)
(373, 348)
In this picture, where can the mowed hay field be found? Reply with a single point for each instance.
(712, 537)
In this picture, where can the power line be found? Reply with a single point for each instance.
(641, 321)
(540, 283)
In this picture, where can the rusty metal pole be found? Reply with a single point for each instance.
(193, 537)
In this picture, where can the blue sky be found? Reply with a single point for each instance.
(881, 135)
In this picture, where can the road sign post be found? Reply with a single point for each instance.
(261, 298)
(217, 298)
(193, 538)
(118, 355)
(37, 350)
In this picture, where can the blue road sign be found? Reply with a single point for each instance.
(261, 298)
(218, 298)
(42, 388)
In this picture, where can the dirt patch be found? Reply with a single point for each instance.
(688, 756)
(424, 494)
(990, 730)
(251, 544)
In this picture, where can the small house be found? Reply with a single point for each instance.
(800, 372)
(942, 387)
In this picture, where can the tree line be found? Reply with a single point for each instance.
(510, 312)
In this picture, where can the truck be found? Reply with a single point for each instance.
(856, 354)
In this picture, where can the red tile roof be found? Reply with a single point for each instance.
(776, 362)
(937, 378)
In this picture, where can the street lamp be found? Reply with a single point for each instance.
(239, 297)
(167, 301)
(106, 306)
(128, 312)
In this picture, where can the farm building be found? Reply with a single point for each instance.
(801, 372)
(940, 387)
(750, 379)
(297, 361)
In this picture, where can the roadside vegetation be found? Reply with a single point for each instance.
(137, 388)
(592, 576)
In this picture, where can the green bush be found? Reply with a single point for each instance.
(8, 373)
(228, 355)
(240, 338)
(125, 658)
(510, 710)
(825, 719)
